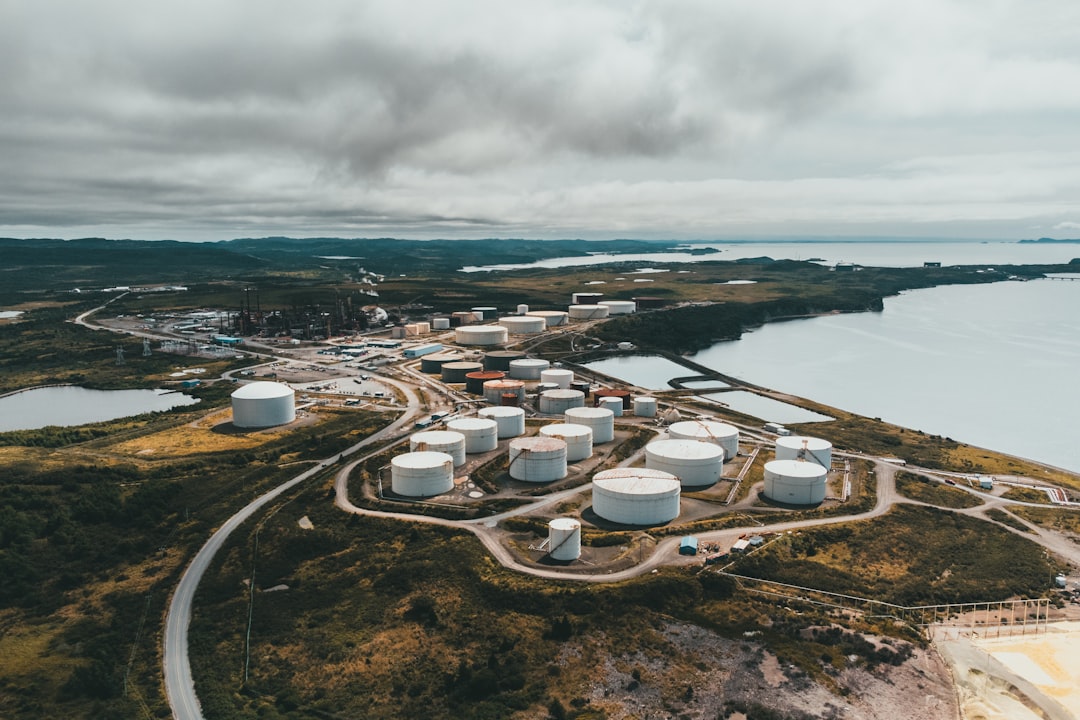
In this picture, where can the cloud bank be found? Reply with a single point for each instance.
(203, 120)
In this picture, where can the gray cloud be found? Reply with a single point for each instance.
(210, 119)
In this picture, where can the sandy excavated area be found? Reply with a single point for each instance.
(1021, 677)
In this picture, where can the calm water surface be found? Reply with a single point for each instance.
(69, 406)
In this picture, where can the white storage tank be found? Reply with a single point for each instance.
(440, 323)
(601, 420)
(480, 335)
(619, 307)
(552, 318)
(588, 312)
(578, 439)
(614, 404)
(559, 376)
(695, 463)
(528, 368)
(523, 324)
(422, 474)
(645, 406)
(537, 459)
(509, 420)
(522, 309)
(263, 404)
(799, 447)
(495, 389)
(564, 539)
(795, 482)
(443, 441)
(722, 434)
(553, 402)
(481, 434)
(636, 496)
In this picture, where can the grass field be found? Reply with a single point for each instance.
(933, 492)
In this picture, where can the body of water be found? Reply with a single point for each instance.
(69, 405)
(875, 254)
(993, 365)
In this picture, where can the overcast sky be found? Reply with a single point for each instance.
(715, 119)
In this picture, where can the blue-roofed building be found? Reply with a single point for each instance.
(688, 546)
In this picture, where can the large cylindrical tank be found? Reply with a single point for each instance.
(619, 307)
(486, 312)
(537, 459)
(528, 368)
(588, 312)
(433, 364)
(552, 318)
(614, 404)
(501, 359)
(623, 396)
(695, 463)
(481, 434)
(795, 482)
(645, 406)
(510, 420)
(455, 372)
(263, 404)
(495, 389)
(440, 323)
(474, 381)
(601, 420)
(564, 539)
(586, 298)
(722, 434)
(636, 496)
(799, 447)
(422, 474)
(481, 335)
(559, 376)
(578, 439)
(554, 402)
(443, 441)
(523, 324)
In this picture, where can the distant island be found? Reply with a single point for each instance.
(1052, 240)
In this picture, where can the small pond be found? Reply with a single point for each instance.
(651, 372)
(765, 408)
(70, 405)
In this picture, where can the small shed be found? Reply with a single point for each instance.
(986, 483)
(688, 546)
(740, 545)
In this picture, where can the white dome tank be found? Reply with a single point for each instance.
(440, 323)
(588, 312)
(422, 474)
(263, 404)
(564, 539)
(528, 368)
(553, 402)
(537, 459)
(619, 307)
(645, 406)
(559, 376)
(722, 434)
(601, 420)
(523, 324)
(578, 439)
(614, 404)
(636, 496)
(481, 434)
(695, 463)
(495, 389)
(552, 318)
(510, 420)
(795, 482)
(444, 441)
(799, 447)
(481, 335)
